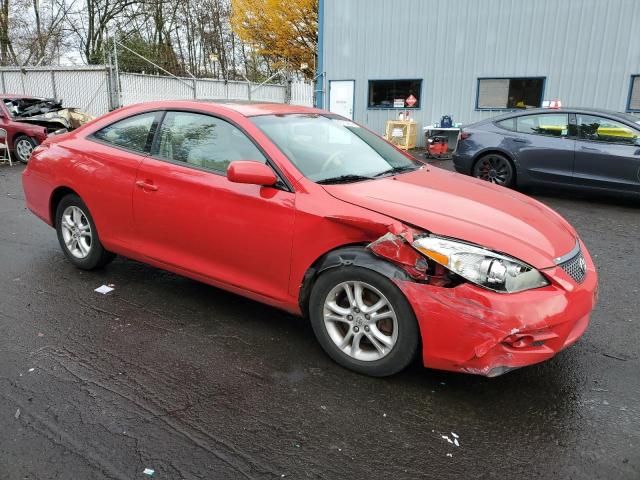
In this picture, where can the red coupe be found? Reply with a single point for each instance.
(307, 211)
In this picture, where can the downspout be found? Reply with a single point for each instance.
(319, 78)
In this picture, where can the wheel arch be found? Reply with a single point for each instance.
(56, 196)
(19, 133)
(352, 255)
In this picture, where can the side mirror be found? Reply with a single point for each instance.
(254, 173)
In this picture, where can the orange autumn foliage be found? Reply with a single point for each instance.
(284, 31)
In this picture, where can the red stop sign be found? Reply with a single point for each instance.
(411, 101)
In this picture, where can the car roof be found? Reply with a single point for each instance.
(532, 111)
(624, 117)
(243, 107)
(250, 109)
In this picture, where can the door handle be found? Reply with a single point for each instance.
(145, 185)
(520, 140)
(590, 149)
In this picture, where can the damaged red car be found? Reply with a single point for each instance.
(309, 212)
(27, 121)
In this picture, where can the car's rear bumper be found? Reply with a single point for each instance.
(473, 330)
(462, 163)
(37, 194)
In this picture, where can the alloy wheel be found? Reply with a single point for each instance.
(76, 232)
(360, 320)
(495, 169)
(24, 148)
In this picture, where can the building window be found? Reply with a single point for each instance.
(394, 93)
(634, 94)
(509, 93)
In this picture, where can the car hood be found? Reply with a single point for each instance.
(453, 205)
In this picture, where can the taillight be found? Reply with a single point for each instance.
(464, 135)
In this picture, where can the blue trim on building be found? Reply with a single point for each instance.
(319, 80)
(633, 78)
(498, 109)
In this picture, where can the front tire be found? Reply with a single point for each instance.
(78, 235)
(23, 148)
(363, 321)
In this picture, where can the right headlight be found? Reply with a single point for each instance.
(481, 266)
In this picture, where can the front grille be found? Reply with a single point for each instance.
(575, 267)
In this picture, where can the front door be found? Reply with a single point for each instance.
(607, 154)
(341, 94)
(190, 216)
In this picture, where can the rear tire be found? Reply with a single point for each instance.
(495, 168)
(346, 327)
(78, 235)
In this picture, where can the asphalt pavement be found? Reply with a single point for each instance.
(192, 382)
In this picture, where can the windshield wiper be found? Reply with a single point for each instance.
(343, 179)
(394, 170)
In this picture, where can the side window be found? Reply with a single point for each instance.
(508, 124)
(204, 141)
(600, 129)
(548, 124)
(131, 133)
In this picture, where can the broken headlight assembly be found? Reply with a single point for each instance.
(478, 265)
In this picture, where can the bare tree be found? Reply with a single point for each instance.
(181, 36)
(31, 31)
(92, 21)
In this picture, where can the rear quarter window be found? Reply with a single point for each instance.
(131, 133)
(508, 124)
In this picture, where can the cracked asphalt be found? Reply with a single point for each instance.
(195, 383)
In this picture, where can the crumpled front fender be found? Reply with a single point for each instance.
(473, 330)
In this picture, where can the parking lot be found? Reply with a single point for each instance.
(173, 375)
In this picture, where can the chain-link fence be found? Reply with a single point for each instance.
(137, 88)
(98, 89)
(86, 88)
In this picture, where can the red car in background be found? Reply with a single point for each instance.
(21, 137)
(29, 120)
(309, 212)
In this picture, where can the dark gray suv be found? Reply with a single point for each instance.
(595, 149)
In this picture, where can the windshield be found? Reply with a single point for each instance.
(330, 149)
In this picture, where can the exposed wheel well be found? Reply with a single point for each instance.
(356, 255)
(57, 195)
(506, 155)
(17, 135)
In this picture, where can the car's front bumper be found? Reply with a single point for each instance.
(473, 330)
